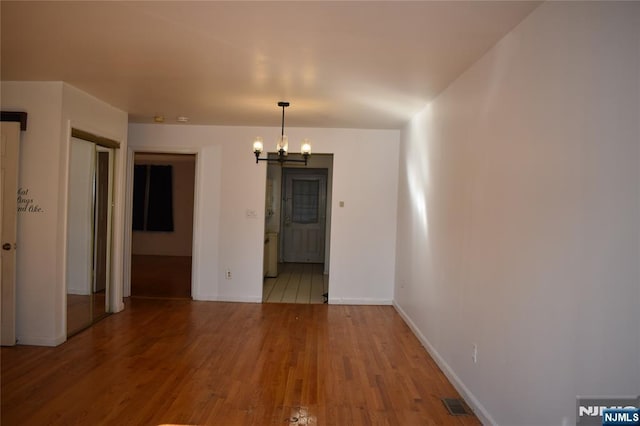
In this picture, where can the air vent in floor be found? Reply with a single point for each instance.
(456, 406)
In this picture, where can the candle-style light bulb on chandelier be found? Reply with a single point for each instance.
(282, 147)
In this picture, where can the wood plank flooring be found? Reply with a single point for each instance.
(296, 283)
(210, 363)
(161, 276)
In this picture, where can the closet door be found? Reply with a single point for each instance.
(102, 232)
(88, 233)
(80, 232)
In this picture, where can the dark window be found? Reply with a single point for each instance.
(152, 198)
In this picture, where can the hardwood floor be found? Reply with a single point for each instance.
(296, 283)
(161, 276)
(210, 363)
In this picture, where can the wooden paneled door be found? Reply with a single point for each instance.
(304, 207)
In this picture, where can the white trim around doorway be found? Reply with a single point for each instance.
(131, 151)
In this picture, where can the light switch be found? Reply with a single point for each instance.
(252, 214)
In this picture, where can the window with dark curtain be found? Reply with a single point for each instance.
(160, 200)
(139, 196)
(153, 198)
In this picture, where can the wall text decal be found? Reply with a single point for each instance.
(26, 204)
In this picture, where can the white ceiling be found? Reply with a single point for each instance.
(360, 64)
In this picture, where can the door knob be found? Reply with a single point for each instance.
(6, 246)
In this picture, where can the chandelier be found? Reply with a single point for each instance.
(282, 147)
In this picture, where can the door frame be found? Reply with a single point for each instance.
(128, 222)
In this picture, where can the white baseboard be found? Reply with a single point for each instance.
(359, 301)
(41, 341)
(469, 398)
(217, 298)
(241, 299)
(79, 291)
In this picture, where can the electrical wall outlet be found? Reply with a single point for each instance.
(227, 274)
(474, 354)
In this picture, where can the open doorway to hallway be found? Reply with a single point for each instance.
(297, 231)
(162, 237)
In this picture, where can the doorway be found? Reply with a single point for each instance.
(298, 217)
(162, 234)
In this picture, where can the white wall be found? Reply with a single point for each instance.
(228, 183)
(36, 263)
(518, 220)
(53, 107)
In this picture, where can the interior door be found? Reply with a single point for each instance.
(304, 205)
(10, 135)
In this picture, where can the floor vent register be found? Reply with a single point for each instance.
(456, 406)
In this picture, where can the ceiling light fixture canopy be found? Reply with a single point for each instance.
(282, 146)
